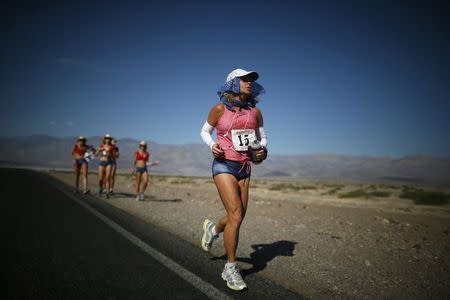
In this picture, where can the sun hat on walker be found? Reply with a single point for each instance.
(81, 138)
(107, 137)
(143, 143)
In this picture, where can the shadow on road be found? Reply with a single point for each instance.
(147, 198)
(125, 195)
(164, 200)
(263, 254)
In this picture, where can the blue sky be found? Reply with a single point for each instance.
(341, 77)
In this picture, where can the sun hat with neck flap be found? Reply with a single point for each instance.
(232, 85)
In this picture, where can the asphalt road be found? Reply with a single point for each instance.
(57, 246)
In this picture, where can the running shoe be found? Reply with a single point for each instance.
(100, 192)
(208, 238)
(107, 195)
(86, 192)
(141, 198)
(138, 197)
(232, 276)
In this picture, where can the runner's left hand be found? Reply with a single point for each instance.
(261, 154)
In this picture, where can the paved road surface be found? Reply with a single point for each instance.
(58, 246)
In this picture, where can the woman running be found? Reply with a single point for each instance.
(115, 156)
(80, 164)
(139, 167)
(239, 124)
(105, 151)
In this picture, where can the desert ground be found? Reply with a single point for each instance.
(320, 239)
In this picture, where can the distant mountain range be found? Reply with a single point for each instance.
(195, 160)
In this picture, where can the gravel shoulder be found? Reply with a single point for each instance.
(308, 239)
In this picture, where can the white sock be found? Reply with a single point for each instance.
(230, 264)
(213, 231)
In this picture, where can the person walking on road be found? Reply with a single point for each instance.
(105, 151)
(80, 165)
(240, 140)
(115, 157)
(139, 167)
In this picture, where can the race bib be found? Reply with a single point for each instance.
(242, 138)
(89, 155)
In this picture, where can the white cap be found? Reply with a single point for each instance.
(107, 136)
(143, 143)
(240, 73)
(81, 138)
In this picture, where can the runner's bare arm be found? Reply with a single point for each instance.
(259, 117)
(133, 166)
(215, 113)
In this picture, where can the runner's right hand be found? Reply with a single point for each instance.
(216, 150)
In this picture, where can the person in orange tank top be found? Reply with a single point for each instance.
(115, 157)
(105, 151)
(80, 165)
(241, 140)
(139, 168)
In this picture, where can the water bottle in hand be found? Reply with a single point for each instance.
(253, 148)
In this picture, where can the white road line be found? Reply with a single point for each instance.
(181, 271)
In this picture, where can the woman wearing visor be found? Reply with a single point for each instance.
(115, 156)
(105, 151)
(80, 164)
(139, 167)
(240, 141)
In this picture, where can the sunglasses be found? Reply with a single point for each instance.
(247, 79)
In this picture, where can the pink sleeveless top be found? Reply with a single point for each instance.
(245, 119)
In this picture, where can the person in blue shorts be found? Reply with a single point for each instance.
(139, 168)
(105, 151)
